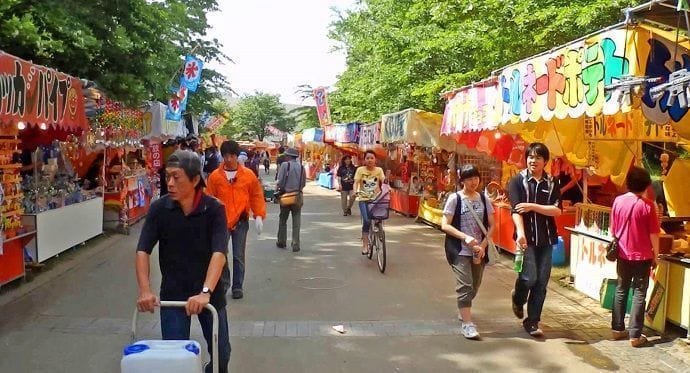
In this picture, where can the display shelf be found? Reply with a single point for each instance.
(10, 166)
(13, 213)
(665, 219)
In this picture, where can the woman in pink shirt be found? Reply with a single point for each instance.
(635, 223)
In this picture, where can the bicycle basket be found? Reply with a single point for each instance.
(379, 209)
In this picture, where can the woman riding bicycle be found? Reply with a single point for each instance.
(368, 180)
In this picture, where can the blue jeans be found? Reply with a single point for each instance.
(175, 325)
(366, 221)
(531, 284)
(635, 275)
(238, 240)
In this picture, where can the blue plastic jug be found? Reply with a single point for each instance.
(558, 254)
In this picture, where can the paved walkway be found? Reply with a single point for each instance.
(75, 315)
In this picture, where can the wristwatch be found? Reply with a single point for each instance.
(206, 290)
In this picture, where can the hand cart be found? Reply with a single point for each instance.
(214, 314)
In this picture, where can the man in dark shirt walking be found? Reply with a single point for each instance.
(346, 180)
(191, 231)
(534, 197)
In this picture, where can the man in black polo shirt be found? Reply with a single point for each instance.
(534, 196)
(191, 231)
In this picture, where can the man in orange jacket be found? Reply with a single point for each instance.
(240, 191)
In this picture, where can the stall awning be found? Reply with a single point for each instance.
(412, 126)
(471, 109)
(329, 133)
(369, 136)
(347, 133)
(35, 94)
(312, 135)
(570, 82)
(156, 126)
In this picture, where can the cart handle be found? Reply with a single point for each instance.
(214, 338)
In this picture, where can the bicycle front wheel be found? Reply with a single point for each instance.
(381, 248)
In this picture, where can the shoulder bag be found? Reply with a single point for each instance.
(491, 251)
(612, 248)
(292, 198)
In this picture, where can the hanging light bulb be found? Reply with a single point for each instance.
(21, 125)
(498, 135)
(43, 126)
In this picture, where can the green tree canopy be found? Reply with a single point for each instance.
(252, 115)
(131, 48)
(305, 117)
(403, 53)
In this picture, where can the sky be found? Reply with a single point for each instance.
(278, 45)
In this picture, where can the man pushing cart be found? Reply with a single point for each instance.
(191, 231)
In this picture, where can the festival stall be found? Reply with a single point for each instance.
(130, 168)
(416, 165)
(312, 146)
(618, 88)
(42, 136)
(469, 119)
(346, 141)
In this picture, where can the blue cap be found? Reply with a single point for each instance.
(193, 348)
(135, 349)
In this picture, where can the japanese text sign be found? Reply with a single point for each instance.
(36, 94)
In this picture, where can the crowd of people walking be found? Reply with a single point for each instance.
(213, 194)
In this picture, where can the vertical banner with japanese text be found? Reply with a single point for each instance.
(322, 109)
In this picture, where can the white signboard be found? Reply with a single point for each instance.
(589, 265)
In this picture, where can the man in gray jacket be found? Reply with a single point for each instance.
(291, 178)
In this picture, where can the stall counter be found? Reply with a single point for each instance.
(503, 232)
(405, 204)
(588, 262)
(59, 229)
(678, 292)
(429, 214)
(12, 257)
(310, 171)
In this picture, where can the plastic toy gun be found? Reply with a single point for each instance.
(676, 86)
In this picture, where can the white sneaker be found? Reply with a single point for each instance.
(469, 330)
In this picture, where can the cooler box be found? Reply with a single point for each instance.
(558, 253)
(608, 295)
(162, 356)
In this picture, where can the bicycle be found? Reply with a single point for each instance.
(378, 210)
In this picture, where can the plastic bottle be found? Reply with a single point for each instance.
(519, 257)
(475, 257)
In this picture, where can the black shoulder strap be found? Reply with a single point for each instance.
(458, 205)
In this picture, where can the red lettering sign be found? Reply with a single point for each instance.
(156, 156)
(36, 94)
